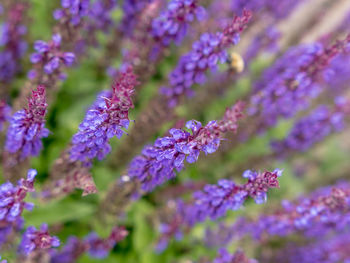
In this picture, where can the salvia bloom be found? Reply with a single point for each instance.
(238, 257)
(100, 15)
(50, 56)
(324, 210)
(5, 113)
(288, 86)
(104, 120)
(36, 240)
(72, 10)
(27, 126)
(215, 200)
(100, 248)
(205, 54)
(12, 43)
(158, 163)
(95, 246)
(338, 74)
(313, 128)
(12, 204)
(172, 24)
(328, 250)
(132, 10)
(71, 251)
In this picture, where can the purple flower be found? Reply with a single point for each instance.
(332, 249)
(289, 85)
(100, 248)
(96, 247)
(27, 126)
(12, 43)
(72, 250)
(172, 24)
(104, 120)
(50, 56)
(131, 11)
(12, 204)
(215, 200)
(100, 15)
(206, 54)
(34, 239)
(313, 128)
(158, 163)
(72, 10)
(3, 261)
(325, 210)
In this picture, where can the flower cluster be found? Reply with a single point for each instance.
(172, 24)
(104, 120)
(132, 10)
(313, 128)
(331, 250)
(238, 257)
(100, 15)
(72, 11)
(288, 86)
(158, 163)
(3, 261)
(12, 204)
(36, 240)
(215, 200)
(27, 126)
(205, 54)
(50, 56)
(99, 248)
(324, 210)
(338, 74)
(95, 246)
(12, 42)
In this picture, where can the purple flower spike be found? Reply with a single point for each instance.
(158, 163)
(104, 120)
(12, 43)
(27, 126)
(289, 85)
(50, 55)
(72, 10)
(34, 239)
(215, 200)
(100, 248)
(132, 10)
(206, 54)
(323, 211)
(172, 24)
(12, 204)
(313, 128)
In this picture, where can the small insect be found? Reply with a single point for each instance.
(236, 62)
